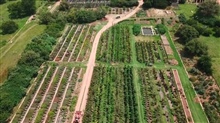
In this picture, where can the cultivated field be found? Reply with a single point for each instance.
(52, 96)
(74, 45)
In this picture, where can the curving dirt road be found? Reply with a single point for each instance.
(82, 99)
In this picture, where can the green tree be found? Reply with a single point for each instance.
(46, 18)
(136, 29)
(182, 18)
(187, 33)
(9, 27)
(208, 9)
(28, 6)
(205, 64)
(15, 10)
(161, 28)
(22, 8)
(217, 32)
(2, 1)
(195, 47)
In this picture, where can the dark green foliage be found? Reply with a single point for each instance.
(9, 27)
(64, 6)
(208, 9)
(182, 1)
(123, 3)
(161, 29)
(195, 47)
(2, 1)
(22, 8)
(207, 12)
(37, 52)
(86, 15)
(136, 29)
(187, 33)
(217, 32)
(205, 64)
(156, 3)
(182, 18)
(46, 18)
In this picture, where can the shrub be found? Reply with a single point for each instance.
(136, 29)
(161, 28)
(9, 27)
(205, 64)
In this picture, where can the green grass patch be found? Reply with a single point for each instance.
(11, 58)
(213, 45)
(187, 9)
(196, 110)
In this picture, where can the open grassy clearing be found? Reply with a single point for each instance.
(9, 60)
(187, 9)
(213, 45)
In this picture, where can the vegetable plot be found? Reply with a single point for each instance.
(112, 96)
(114, 45)
(160, 96)
(150, 52)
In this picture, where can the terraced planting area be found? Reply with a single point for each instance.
(115, 45)
(150, 52)
(74, 45)
(52, 96)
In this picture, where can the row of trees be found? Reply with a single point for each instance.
(123, 3)
(86, 15)
(159, 3)
(37, 52)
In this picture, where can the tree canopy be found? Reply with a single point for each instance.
(208, 9)
(136, 29)
(187, 33)
(122, 3)
(205, 64)
(161, 28)
(9, 27)
(86, 15)
(22, 8)
(195, 47)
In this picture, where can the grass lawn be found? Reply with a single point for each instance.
(11, 58)
(214, 45)
(187, 9)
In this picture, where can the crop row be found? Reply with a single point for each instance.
(74, 44)
(160, 96)
(150, 52)
(115, 45)
(52, 91)
(112, 96)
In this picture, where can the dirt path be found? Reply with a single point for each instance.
(183, 97)
(82, 99)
